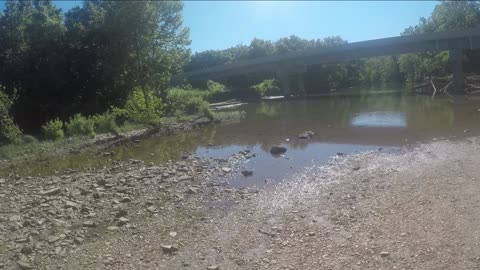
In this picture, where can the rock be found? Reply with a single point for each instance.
(125, 200)
(173, 234)
(78, 240)
(247, 173)
(384, 254)
(466, 130)
(15, 218)
(51, 192)
(123, 221)
(306, 135)
(22, 240)
(106, 154)
(96, 195)
(27, 250)
(169, 249)
(121, 213)
(191, 190)
(244, 152)
(311, 234)
(356, 168)
(226, 169)
(113, 228)
(185, 178)
(152, 209)
(24, 265)
(287, 139)
(213, 267)
(101, 182)
(89, 223)
(340, 154)
(278, 150)
(70, 204)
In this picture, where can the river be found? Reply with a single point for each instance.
(342, 124)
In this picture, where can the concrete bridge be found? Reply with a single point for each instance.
(289, 68)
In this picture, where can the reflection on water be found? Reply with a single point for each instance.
(379, 119)
(341, 124)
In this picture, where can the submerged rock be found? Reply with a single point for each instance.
(278, 150)
(306, 135)
(247, 173)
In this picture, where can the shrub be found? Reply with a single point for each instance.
(205, 110)
(265, 88)
(53, 129)
(105, 123)
(143, 106)
(28, 139)
(217, 92)
(80, 125)
(9, 132)
(190, 101)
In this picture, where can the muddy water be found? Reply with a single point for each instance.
(341, 125)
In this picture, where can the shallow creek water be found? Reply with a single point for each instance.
(342, 124)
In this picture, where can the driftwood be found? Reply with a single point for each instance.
(434, 88)
(440, 85)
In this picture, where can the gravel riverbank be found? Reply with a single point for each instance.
(417, 209)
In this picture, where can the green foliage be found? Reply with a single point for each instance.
(190, 101)
(266, 88)
(99, 51)
(53, 129)
(9, 132)
(143, 106)
(80, 125)
(106, 123)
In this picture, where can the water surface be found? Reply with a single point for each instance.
(345, 124)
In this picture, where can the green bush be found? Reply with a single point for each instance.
(53, 129)
(205, 110)
(80, 125)
(143, 106)
(9, 132)
(28, 139)
(188, 102)
(265, 88)
(105, 123)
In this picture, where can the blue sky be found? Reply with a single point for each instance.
(222, 24)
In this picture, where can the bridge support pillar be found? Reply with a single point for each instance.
(291, 80)
(456, 56)
(300, 84)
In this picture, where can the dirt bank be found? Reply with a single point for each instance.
(413, 210)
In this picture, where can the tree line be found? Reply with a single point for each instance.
(406, 68)
(90, 58)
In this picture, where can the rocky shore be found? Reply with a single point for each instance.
(416, 209)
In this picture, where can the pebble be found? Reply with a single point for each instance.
(247, 173)
(27, 250)
(384, 254)
(89, 223)
(123, 221)
(24, 265)
(52, 192)
(213, 267)
(226, 169)
(169, 249)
